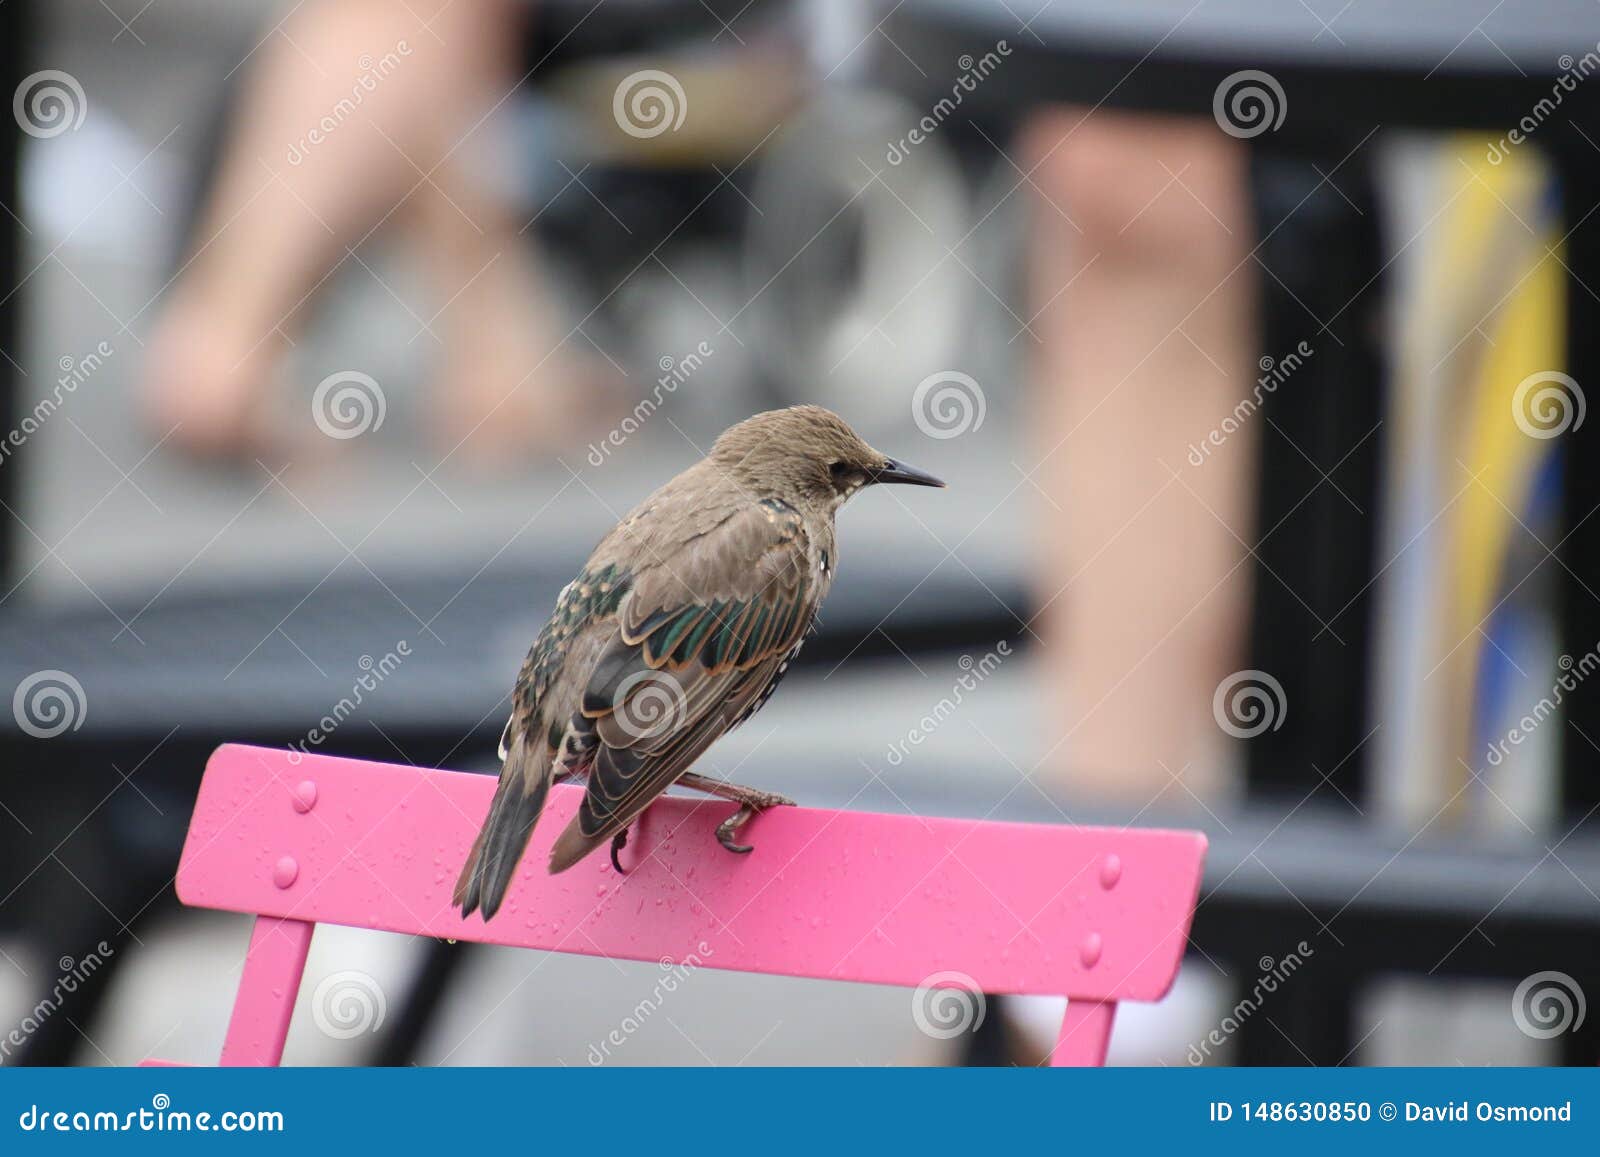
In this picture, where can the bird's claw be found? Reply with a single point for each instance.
(741, 817)
(618, 842)
(732, 824)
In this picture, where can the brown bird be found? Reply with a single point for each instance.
(677, 630)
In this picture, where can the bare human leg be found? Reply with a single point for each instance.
(310, 172)
(1144, 294)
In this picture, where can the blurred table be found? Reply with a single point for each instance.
(1428, 63)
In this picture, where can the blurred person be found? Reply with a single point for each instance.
(358, 114)
(1145, 301)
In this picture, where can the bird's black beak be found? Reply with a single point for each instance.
(892, 471)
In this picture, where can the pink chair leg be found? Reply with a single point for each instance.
(1085, 1033)
(272, 969)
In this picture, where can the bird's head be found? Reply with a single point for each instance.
(809, 454)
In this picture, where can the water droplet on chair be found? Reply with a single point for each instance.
(285, 872)
(1089, 950)
(305, 796)
(1110, 870)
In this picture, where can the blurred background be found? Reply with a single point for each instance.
(1252, 339)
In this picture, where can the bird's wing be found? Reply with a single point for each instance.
(530, 759)
(700, 637)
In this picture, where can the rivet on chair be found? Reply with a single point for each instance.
(305, 796)
(285, 872)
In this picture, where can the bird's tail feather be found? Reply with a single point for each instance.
(572, 845)
(518, 800)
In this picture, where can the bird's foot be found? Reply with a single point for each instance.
(618, 842)
(756, 801)
(732, 824)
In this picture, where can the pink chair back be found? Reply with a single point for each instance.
(1098, 915)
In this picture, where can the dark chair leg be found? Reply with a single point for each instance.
(64, 1021)
(441, 963)
(1312, 601)
(1313, 1025)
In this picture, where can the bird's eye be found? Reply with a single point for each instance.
(838, 470)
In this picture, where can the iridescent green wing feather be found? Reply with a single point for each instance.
(701, 637)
